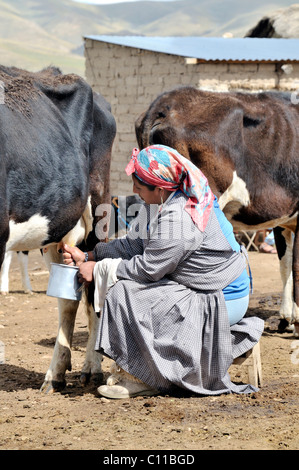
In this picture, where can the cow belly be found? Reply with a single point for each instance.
(28, 235)
(237, 197)
(33, 233)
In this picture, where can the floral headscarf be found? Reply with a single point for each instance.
(164, 167)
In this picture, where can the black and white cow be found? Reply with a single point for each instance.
(56, 137)
(247, 145)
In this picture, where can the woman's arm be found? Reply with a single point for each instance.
(125, 247)
(166, 248)
(128, 246)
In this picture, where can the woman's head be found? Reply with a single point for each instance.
(165, 169)
(149, 193)
(156, 165)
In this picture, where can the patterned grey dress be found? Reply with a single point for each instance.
(165, 320)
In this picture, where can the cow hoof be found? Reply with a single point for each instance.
(290, 329)
(84, 378)
(28, 291)
(283, 325)
(98, 379)
(296, 329)
(52, 386)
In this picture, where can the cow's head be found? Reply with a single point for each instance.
(205, 127)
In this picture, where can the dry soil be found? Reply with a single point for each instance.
(78, 419)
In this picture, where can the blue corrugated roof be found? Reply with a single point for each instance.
(225, 49)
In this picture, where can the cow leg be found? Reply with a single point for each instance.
(4, 285)
(23, 261)
(93, 360)
(4, 219)
(61, 360)
(284, 246)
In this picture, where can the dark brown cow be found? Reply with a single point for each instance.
(247, 145)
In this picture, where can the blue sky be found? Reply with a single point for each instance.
(109, 2)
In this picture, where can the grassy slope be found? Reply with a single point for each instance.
(37, 33)
(25, 43)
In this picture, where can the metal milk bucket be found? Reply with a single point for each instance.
(64, 282)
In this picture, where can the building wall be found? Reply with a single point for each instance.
(130, 79)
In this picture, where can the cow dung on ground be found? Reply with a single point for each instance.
(79, 419)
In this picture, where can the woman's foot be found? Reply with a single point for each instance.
(125, 389)
(265, 248)
(121, 384)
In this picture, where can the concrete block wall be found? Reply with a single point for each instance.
(130, 79)
(249, 77)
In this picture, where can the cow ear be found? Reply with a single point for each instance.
(139, 126)
(248, 121)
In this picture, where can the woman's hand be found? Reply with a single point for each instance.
(73, 255)
(85, 274)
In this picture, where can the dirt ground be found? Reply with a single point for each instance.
(78, 419)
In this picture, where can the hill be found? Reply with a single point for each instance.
(35, 34)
